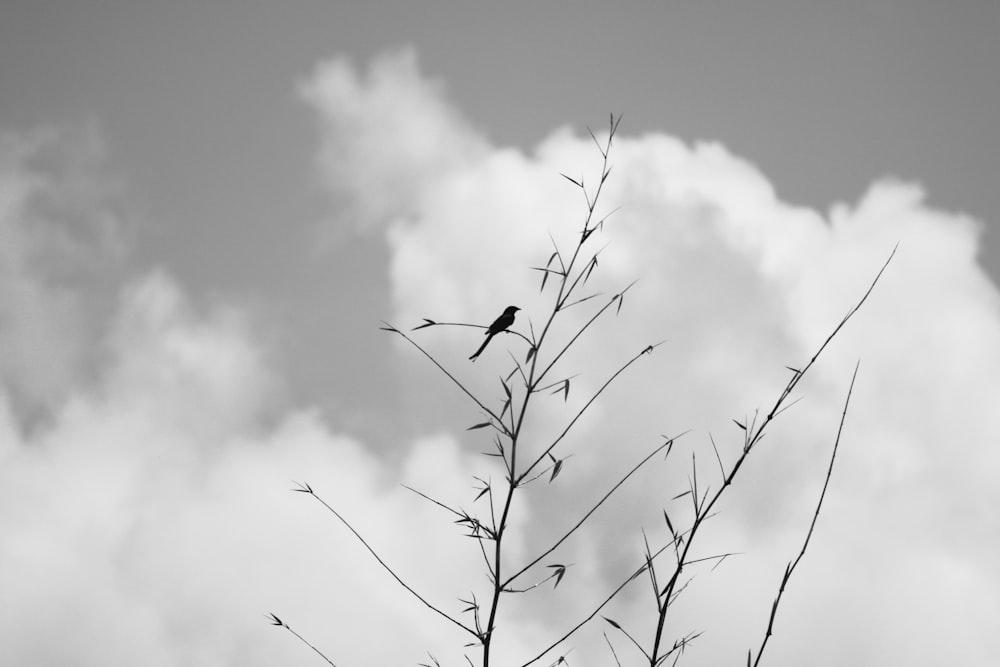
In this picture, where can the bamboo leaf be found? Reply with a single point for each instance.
(572, 180)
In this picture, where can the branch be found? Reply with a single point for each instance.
(589, 617)
(572, 422)
(305, 488)
(668, 444)
(790, 568)
(277, 621)
(617, 298)
(753, 434)
(388, 327)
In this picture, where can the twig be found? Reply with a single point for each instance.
(388, 327)
(305, 488)
(668, 444)
(790, 568)
(277, 621)
(752, 436)
(579, 414)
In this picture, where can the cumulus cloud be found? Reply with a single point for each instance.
(740, 284)
(147, 448)
(389, 131)
(58, 229)
(147, 515)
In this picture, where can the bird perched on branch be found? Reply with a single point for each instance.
(500, 324)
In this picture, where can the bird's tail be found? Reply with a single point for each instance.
(482, 347)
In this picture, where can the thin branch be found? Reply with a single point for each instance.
(615, 299)
(588, 618)
(392, 329)
(668, 444)
(277, 621)
(582, 410)
(617, 626)
(610, 646)
(752, 436)
(305, 488)
(608, 599)
(565, 288)
(812, 525)
(436, 502)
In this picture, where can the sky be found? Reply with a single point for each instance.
(209, 209)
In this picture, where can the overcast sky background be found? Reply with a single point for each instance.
(207, 210)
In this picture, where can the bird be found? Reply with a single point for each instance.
(499, 324)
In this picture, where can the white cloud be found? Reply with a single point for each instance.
(146, 514)
(58, 231)
(147, 517)
(388, 132)
(740, 284)
(152, 520)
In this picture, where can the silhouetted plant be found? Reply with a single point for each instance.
(565, 275)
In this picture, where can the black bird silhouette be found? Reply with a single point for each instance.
(500, 324)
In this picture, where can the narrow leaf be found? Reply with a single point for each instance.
(572, 180)
(590, 268)
(673, 532)
(560, 571)
(555, 469)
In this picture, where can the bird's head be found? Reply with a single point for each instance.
(511, 310)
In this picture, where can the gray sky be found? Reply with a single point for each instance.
(209, 208)
(189, 97)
